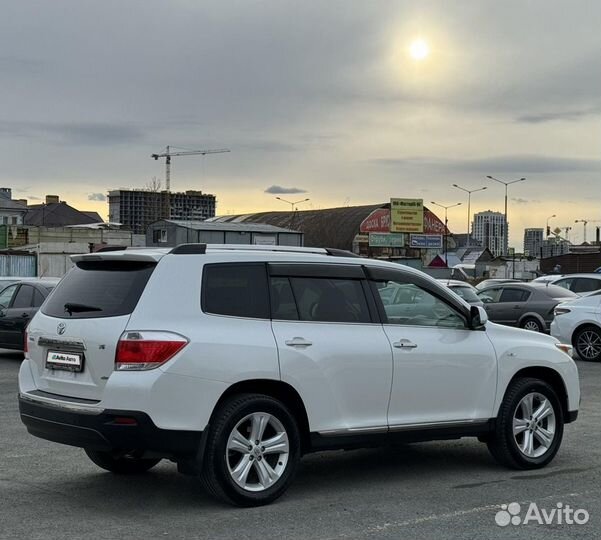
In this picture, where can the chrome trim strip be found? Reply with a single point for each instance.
(77, 346)
(402, 427)
(353, 431)
(61, 405)
(434, 425)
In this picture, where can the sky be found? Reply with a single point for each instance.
(318, 100)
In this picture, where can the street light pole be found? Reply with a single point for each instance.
(506, 220)
(469, 205)
(292, 204)
(446, 228)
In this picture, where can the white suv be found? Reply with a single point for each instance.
(234, 361)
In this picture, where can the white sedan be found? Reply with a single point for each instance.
(579, 322)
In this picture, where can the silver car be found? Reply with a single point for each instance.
(526, 305)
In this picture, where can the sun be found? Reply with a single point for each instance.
(419, 49)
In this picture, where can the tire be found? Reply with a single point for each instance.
(121, 463)
(262, 477)
(532, 324)
(511, 449)
(587, 342)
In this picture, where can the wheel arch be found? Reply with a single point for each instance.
(582, 326)
(532, 315)
(550, 376)
(279, 390)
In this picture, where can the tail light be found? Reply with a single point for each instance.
(561, 311)
(139, 351)
(25, 344)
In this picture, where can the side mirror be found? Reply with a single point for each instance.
(478, 316)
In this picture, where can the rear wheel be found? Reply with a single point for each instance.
(252, 451)
(529, 427)
(122, 462)
(587, 343)
(530, 323)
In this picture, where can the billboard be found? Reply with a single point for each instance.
(407, 215)
(426, 241)
(386, 240)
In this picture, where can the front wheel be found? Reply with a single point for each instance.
(252, 451)
(529, 427)
(122, 462)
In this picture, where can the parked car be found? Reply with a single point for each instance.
(579, 283)
(549, 278)
(235, 361)
(464, 290)
(18, 304)
(579, 322)
(495, 281)
(527, 305)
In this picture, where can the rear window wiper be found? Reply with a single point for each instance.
(71, 308)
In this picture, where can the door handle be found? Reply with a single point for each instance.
(298, 342)
(25, 315)
(404, 344)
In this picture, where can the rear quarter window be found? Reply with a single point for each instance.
(99, 289)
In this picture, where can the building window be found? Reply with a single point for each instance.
(159, 236)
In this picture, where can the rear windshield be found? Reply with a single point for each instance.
(467, 293)
(99, 289)
(555, 291)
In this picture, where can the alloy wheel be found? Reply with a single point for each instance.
(534, 425)
(589, 345)
(532, 325)
(257, 451)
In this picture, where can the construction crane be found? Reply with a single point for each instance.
(585, 222)
(168, 155)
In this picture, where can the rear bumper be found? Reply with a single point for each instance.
(100, 430)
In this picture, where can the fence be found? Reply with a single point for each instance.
(18, 264)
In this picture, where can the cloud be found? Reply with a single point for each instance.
(34, 198)
(281, 190)
(497, 164)
(96, 197)
(520, 200)
(558, 116)
(74, 133)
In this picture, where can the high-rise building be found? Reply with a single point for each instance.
(533, 241)
(135, 209)
(490, 229)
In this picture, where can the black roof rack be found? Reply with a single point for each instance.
(334, 252)
(189, 249)
(110, 248)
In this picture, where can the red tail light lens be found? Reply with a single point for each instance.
(138, 351)
(25, 340)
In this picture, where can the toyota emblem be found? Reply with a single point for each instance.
(60, 329)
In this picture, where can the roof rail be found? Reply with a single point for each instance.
(110, 248)
(201, 249)
(189, 249)
(334, 252)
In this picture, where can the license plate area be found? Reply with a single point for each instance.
(66, 361)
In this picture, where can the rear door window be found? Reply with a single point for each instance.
(330, 300)
(236, 290)
(24, 297)
(99, 289)
(514, 295)
(582, 285)
(38, 298)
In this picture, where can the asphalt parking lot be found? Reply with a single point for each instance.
(429, 490)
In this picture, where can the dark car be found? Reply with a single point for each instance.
(18, 304)
(527, 305)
